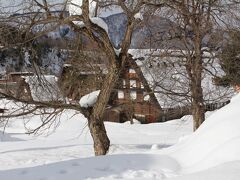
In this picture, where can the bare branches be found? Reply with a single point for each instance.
(40, 104)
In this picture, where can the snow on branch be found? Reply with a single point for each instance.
(75, 7)
(90, 99)
(100, 22)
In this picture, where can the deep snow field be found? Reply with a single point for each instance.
(154, 151)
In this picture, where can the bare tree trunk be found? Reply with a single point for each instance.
(195, 69)
(197, 97)
(95, 120)
(197, 106)
(99, 135)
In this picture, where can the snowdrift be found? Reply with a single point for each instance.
(211, 153)
(217, 141)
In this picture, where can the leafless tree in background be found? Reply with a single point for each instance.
(196, 26)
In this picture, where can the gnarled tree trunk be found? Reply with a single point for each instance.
(95, 120)
(99, 135)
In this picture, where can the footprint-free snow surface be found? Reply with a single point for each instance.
(155, 151)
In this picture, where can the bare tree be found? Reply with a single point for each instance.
(195, 26)
(85, 21)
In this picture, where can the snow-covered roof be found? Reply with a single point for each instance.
(167, 71)
(44, 88)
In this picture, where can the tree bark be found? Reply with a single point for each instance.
(195, 69)
(198, 111)
(96, 120)
(99, 135)
(115, 64)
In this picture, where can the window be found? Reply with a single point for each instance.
(120, 94)
(133, 95)
(133, 83)
(146, 97)
(124, 83)
(132, 71)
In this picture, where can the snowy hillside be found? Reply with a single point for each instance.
(137, 151)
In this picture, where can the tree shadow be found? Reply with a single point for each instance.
(119, 166)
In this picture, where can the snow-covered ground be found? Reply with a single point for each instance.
(154, 151)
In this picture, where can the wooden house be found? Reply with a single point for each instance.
(131, 98)
(14, 84)
(82, 74)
